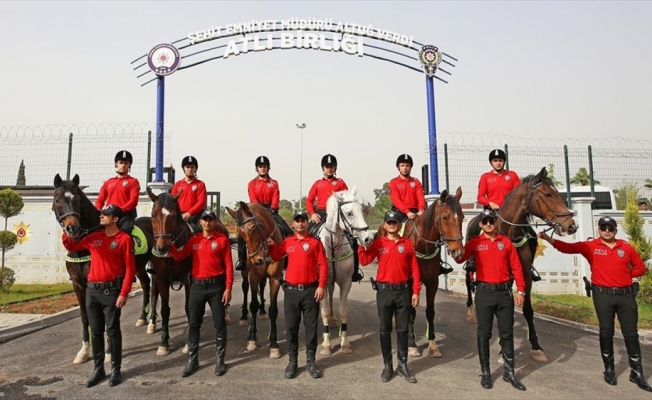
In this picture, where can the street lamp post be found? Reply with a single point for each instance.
(301, 128)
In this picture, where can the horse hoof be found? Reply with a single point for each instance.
(185, 349)
(346, 349)
(141, 322)
(162, 351)
(539, 356)
(471, 319)
(80, 358)
(243, 322)
(274, 353)
(151, 328)
(414, 352)
(434, 353)
(325, 351)
(263, 316)
(251, 345)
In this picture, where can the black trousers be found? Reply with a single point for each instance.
(298, 303)
(392, 303)
(102, 312)
(199, 296)
(127, 221)
(608, 306)
(494, 302)
(402, 216)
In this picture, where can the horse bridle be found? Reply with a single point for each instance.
(443, 239)
(263, 239)
(348, 227)
(61, 217)
(171, 234)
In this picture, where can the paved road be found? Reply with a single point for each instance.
(40, 365)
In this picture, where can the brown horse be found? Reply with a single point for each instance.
(77, 216)
(441, 224)
(535, 196)
(256, 224)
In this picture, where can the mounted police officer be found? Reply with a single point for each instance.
(113, 267)
(398, 282)
(614, 263)
(320, 191)
(265, 191)
(121, 191)
(211, 282)
(192, 200)
(497, 263)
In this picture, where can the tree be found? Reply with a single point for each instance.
(21, 180)
(624, 192)
(10, 205)
(633, 227)
(301, 205)
(582, 178)
(551, 175)
(383, 202)
(285, 205)
(648, 183)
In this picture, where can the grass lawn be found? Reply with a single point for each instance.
(580, 309)
(19, 293)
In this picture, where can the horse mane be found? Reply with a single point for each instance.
(429, 215)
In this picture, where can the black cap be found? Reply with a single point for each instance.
(299, 214)
(391, 216)
(488, 214)
(112, 210)
(208, 213)
(607, 221)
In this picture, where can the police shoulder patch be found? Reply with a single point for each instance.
(621, 253)
(214, 245)
(113, 244)
(306, 247)
(501, 246)
(401, 248)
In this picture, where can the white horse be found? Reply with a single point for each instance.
(344, 214)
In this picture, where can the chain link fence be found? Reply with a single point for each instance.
(69, 149)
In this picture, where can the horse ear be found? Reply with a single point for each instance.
(232, 213)
(75, 180)
(245, 207)
(458, 193)
(354, 190)
(151, 195)
(57, 181)
(542, 174)
(443, 196)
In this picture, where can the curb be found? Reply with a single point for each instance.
(14, 332)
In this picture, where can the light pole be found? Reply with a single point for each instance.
(301, 128)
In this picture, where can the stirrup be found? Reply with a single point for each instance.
(535, 275)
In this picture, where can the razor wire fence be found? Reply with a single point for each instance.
(68, 149)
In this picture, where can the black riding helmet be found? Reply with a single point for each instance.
(262, 160)
(497, 153)
(189, 160)
(404, 158)
(328, 159)
(124, 155)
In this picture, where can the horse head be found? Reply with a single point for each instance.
(71, 207)
(546, 203)
(166, 221)
(345, 212)
(449, 217)
(254, 225)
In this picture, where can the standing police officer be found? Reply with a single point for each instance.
(398, 282)
(614, 263)
(305, 279)
(497, 264)
(192, 200)
(121, 191)
(210, 282)
(113, 266)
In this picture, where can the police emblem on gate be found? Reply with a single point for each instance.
(621, 253)
(306, 247)
(401, 248)
(501, 246)
(113, 245)
(214, 246)
(429, 57)
(413, 185)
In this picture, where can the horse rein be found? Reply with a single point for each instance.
(259, 227)
(171, 234)
(443, 239)
(61, 217)
(348, 227)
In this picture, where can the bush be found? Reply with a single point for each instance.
(7, 279)
(633, 226)
(645, 292)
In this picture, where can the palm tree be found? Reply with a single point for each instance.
(648, 183)
(582, 178)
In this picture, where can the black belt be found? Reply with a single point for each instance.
(104, 285)
(392, 286)
(613, 290)
(287, 286)
(214, 280)
(494, 286)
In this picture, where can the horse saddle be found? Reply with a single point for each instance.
(313, 228)
(140, 241)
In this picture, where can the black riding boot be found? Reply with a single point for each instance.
(483, 354)
(535, 275)
(97, 345)
(193, 353)
(401, 353)
(220, 351)
(445, 268)
(386, 348)
(291, 369)
(311, 366)
(509, 375)
(607, 353)
(116, 359)
(635, 363)
(357, 274)
(241, 265)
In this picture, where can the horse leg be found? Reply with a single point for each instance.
(326, 311)
(433, 350)
(345, 288)
(413, 350)
(145, 283)
(153, 300)
(332, 321)
(244, 320)
(528, 312)
(274, 348)
(470, 309)
(164, 347)
(84, 354)
(262, 314)
(253, 312)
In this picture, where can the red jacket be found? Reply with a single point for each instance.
(406, 194)
(494, 187)
(121, 192)
(495, 261)
(193, 195)
(111, 257)
(211, 256)
(609, 267)
(322, 191)
(306, 260)
(264, 191)
(397, 261)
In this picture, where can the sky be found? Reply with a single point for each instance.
(525, 69)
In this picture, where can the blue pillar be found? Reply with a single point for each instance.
(160, 108)
(432, 137)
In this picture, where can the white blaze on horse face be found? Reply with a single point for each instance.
(165, 211)
(69, 195)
